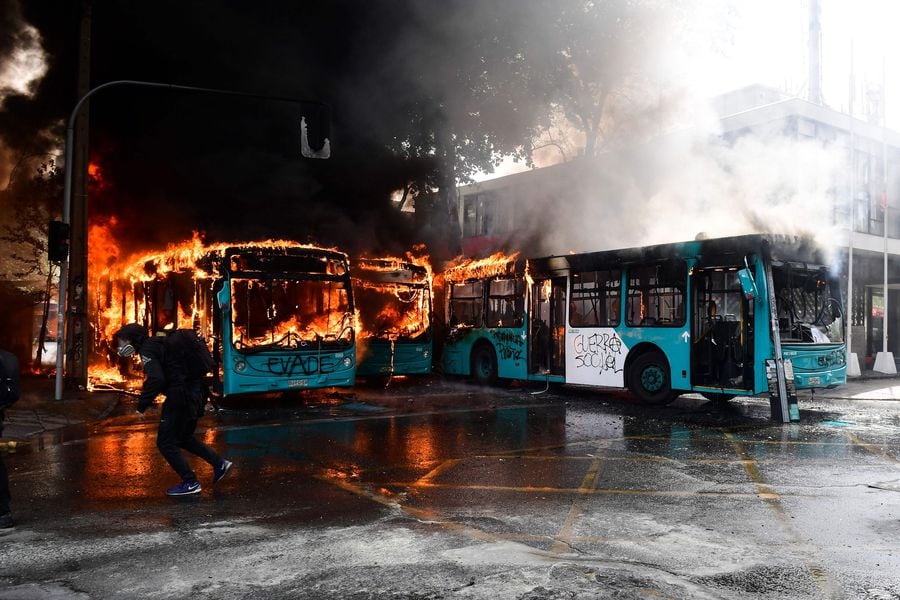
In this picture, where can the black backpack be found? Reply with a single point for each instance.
(9, 379)
(198, 360)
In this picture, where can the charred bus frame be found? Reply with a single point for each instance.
(277, 316)
(394, 303)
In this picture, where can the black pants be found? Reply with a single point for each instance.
(4, 479)
(176, 431)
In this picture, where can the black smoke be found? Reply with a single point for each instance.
(174, 161)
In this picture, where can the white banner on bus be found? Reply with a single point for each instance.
(595, 356)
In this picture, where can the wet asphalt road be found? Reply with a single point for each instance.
(445, 490)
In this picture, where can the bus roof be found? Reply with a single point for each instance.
(709, 251)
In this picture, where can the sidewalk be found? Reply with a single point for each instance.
(38, 412)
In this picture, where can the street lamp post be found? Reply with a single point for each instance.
(306, 150)
(884, 360)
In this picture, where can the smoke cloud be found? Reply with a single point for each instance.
(231, 167)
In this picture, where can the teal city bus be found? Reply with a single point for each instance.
(394, 304)
(277, 315)
(710, 316)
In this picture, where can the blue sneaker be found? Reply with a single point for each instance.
(222, 470)
(185, 488)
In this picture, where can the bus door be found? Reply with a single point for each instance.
(548, 326)
(721, 331)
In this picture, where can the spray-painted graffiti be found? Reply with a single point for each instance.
(510, 346)
(600, 351)
(301, 365)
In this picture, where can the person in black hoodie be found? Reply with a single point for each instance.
(167, 371)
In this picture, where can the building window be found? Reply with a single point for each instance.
(479, 214)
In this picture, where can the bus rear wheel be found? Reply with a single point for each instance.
(484, 365)
(649, 379)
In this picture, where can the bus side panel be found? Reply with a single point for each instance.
(511, 348)
(673, 342)
(595, 356)
(509, 345)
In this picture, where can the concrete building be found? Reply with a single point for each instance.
(857, 199)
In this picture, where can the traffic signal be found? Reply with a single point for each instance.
(58, 241)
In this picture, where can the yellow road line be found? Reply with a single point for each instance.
(437, 471)
(872, 448)
(588, 484)
(768, 494)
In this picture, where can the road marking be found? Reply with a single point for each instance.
(877, 450)
(436, 471)
(563, 539)
(771, 497)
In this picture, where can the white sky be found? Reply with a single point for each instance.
(735, 43)
(770, 46)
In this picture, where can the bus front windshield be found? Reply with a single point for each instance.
(808, 304)
(393, 311)
(272, 314)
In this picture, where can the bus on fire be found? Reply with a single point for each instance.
(706, 316)
(393, 300)
(278, 315)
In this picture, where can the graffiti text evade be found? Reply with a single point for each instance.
(301, 365)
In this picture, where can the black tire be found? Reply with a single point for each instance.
(484, 365)
(650, 380)
(717, 397)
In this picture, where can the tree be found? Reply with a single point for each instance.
(28, 204)
(474, 81)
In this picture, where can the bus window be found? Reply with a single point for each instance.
(656, 294)
(506, 301)
(283, 313)
(594, 298)
(466, 304)
(807, 302)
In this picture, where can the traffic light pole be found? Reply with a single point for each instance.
(306, 150)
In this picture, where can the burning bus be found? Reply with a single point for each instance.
(734, 316)
(277, 315)
(394, 303)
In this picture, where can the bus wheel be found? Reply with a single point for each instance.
(649, 379)
(717, 397)
(484, 365)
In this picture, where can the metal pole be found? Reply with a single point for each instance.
(780, 375)
(849, 315)
(884, 199)
(884, 360)
(67, 193)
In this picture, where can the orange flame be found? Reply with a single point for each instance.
(122, 290)
(496, 265)
(393, 296)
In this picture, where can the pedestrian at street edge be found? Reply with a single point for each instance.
(9, 393)
(171, 368)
